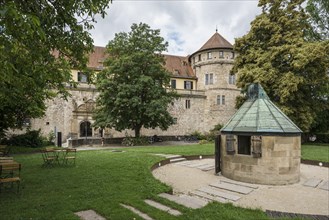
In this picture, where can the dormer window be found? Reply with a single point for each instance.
(176, 72)
(209, 56)
(188, 85)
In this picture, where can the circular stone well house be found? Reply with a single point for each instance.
(260, 144)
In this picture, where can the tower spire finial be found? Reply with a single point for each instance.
(216, 29)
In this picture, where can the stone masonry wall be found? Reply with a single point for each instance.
(278, 165)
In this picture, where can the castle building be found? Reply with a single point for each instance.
(206, 91)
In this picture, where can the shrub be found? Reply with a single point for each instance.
(198, 135)
(132, 141)
(29, 139)
(322, 138)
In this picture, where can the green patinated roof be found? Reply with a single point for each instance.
(259, 115)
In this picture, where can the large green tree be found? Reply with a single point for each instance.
(293, 72)
(40, 41)
(134, 86)
(318, 11)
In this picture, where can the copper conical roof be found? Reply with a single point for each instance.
(258, 115)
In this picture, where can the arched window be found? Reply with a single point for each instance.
(85, 129)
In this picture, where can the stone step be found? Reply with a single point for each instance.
(208, 196)
(185, 200)
(195, 165)
(177, 160)
(312, 182)
(232, 187)
(162, 207)
(137, 212)
(324, 186)
(218, 193)
(240, 183)
(89, 215)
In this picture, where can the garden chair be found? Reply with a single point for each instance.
(10, 173)
(49, 157)
(70, 156)
(4, 150)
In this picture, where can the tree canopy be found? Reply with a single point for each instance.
(40, 41)
(134, 86)
(318, 11)
(274, 53)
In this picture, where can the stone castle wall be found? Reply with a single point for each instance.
(202, 115)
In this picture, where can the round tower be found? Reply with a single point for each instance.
(212, 64)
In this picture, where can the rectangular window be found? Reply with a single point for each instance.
(231, 79)
(188, 85)
(220, 100)
(175, 121)
(173, 83)
(193, 59)
(199, 57)
(211, 78)
(187, 103)
(244, 145)
(82, 77)
(232, 55)
(209, 56)
(221, 54)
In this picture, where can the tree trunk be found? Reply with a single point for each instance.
(137, 131)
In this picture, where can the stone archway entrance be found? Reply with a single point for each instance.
(85, 129)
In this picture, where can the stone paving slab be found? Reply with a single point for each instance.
(324, 186)
(208, 168)
(205, 166)
(218, 193)
(208, 196)
(185, 200)
(239, 183)
(183, 163)
(137, 212)
(197, 164)
(233, 187)
(177, 160)
(312, 182)
(89, 215)
(162, 207)
(168, 156)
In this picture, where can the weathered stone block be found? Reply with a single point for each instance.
(279, 154)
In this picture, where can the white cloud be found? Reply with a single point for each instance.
(186, 25)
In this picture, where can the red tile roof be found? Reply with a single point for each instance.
(216, 41)
(178, 66)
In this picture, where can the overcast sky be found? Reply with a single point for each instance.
(186, 25)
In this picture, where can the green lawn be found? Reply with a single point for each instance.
(103, 179)
(315, 152)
